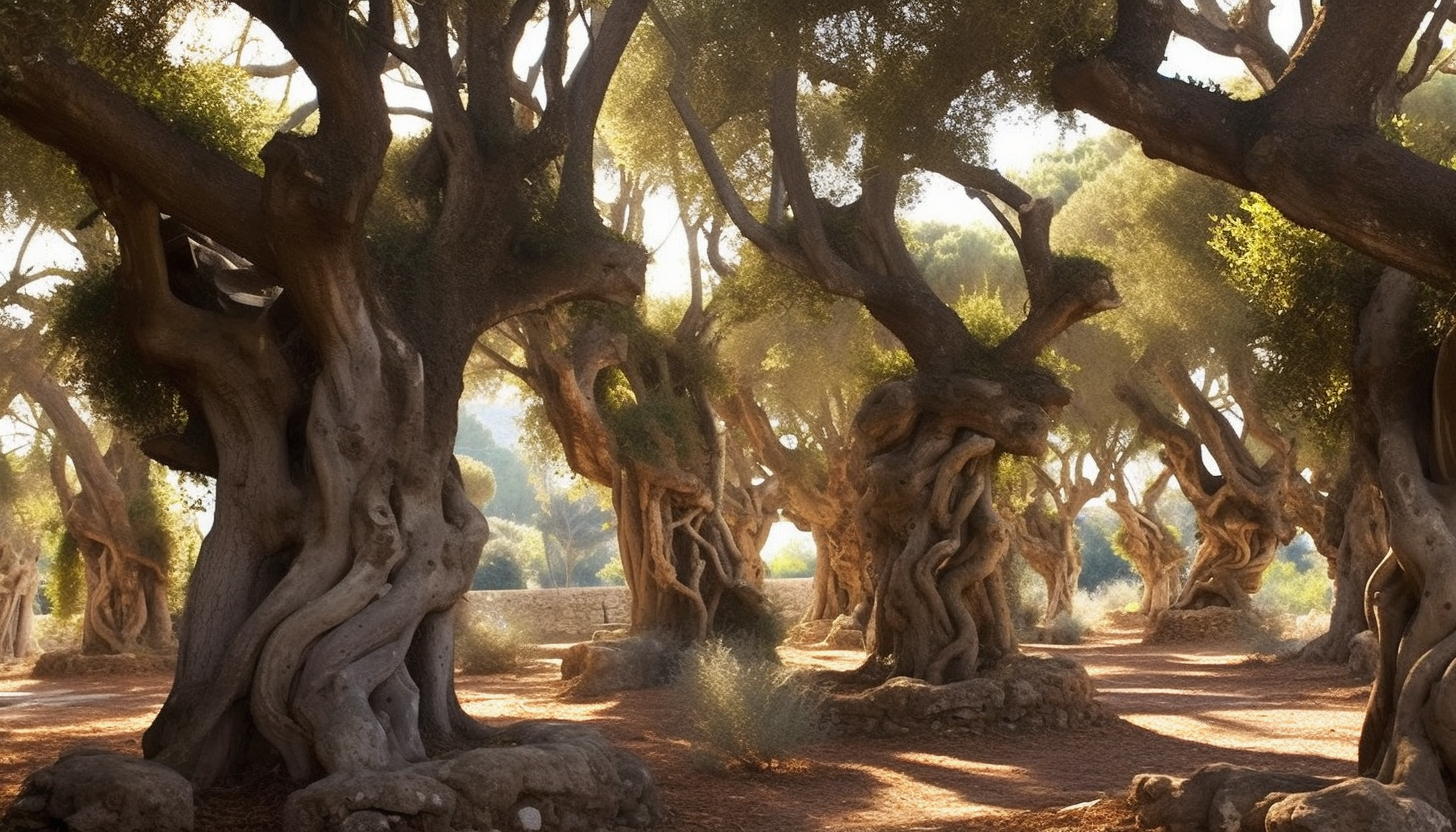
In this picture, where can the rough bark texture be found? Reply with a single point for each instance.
(318, 633)
(126, 585)
(689, 523)
(19, 581)
(819, 497)
(1052, 550)
(1313, 146)
(1240, 511)
(1148, 543)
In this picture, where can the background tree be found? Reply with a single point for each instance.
(317, 328)
(1297, 145)
(927, 443)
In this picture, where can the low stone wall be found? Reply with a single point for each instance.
(573, 614)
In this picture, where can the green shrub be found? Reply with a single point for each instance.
(752, 714)
(485, 645)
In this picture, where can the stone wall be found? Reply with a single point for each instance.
(573, 614)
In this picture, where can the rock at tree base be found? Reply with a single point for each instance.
(1216, 797)
(90, 790)
(597, 668)
(846, 633)
(808, 633)
(1364, 655)
(1023, 692)
(843, 633)
(1208, 625)
(1355, 805)
(55, 664)
(542, 776)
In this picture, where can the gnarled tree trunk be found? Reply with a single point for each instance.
(818, 496)
(1053, 552)
(685, 522)
(927, 515)
(1240, 511)
(126, 587)
(1409, 740)
(1148, 543)
(19, 581)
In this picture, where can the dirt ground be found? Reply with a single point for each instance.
(1175, 710)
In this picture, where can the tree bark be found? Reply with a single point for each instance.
(318, 631)
(1241, 511)
(126, 587)
(1408, 740)
(19, 581)
(1148, 543)
(1051, 548)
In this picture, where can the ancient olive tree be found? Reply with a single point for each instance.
(1315, 145)
(315, 322)
(927, 443)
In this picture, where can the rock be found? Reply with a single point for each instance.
(601, 667)
(1355, 805)
(845, 633)
(562, 777)
(92, 790)
(1024, 691)
(64, 663)
(1220, 797)
(1208, 625)
(1364, 655)
(808, 633)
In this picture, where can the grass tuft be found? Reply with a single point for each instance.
(748, 713)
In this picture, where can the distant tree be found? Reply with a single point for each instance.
(498, 570)
(577, 533)
(514, 497)
(1096, 529)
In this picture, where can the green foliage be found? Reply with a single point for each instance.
(514, 498)
(748, 713)
(795, 559)
(1309, 290)
(65, 583)
(487, 645)
(1296, 583)
(612, 574)
(1102, 562)
(101, 362)
(1150, 222)
(761, 287)
(498, 570)
(478, 480)
(957, 259)
(579, 536)
(516, 542)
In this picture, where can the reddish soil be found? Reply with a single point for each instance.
(1175, 710)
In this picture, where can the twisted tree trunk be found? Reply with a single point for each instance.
(1408, 740)
(126, 587)
(1052, 550)
(19, 581)
(1241, 514)
(1148, 543)
(688, 528)
(927, 515)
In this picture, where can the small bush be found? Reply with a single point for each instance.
(487, 645)
(56, 632)
(752, 714)
(1066, 628)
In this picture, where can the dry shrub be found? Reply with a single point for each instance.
(486, 645)
(748, 713)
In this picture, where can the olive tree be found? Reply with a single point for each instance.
(316, 326)
(1317, 147)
